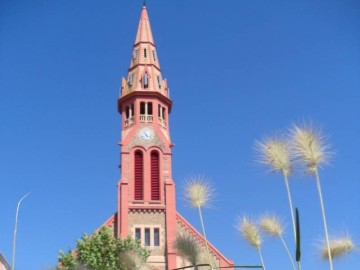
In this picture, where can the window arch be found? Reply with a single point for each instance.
(155, 175)
(138, 175)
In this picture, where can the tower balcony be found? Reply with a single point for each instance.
(129, 121)
(162, 122)
(146, 118)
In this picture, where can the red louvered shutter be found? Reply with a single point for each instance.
(155, 179)
(138, 179)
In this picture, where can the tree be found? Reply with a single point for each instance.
(100, 251)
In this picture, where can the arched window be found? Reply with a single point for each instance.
(146, 80)
(138, 176)
(155, 177)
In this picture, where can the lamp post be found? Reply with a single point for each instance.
(15, 229)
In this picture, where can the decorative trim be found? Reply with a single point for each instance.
(156, 141)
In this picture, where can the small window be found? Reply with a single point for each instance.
(150, 110)
(135, 54)
(146, 80)
(156, 237)
(147, 237)
(159, 80)
(131, 110)
(142, 107)
(163, 113)
(131, 79)
(154, 55)
(138, 234)
(159, 111)
(145, 53)
(127, 112)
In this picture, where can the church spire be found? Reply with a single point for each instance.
(144, 33)
(144, 73)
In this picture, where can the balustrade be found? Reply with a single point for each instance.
(146, 118)
(129, 121)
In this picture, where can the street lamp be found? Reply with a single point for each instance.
(15, 229)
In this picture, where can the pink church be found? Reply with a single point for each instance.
(146, 206)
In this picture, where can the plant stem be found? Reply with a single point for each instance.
(290, 203)
(210, 259)
(299, 265)
(288, 252)
(323, 216)
(261, 258)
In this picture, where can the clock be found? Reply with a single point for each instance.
(146, 134)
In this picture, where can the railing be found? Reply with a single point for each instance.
(209, 267)
(146, 118)
(162, 122)
(129, 121)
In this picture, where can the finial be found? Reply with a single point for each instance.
(144, 4)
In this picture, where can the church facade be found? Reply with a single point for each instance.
(146, 207)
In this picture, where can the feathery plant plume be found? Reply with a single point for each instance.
(275, 153)
(251, 234)
(309, 147)
(198, 194)
(188, 248)
(338, 247)
(198, 191)
(132, 261)
(272, 225)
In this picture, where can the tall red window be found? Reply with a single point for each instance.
(155, 177)
(139, 175)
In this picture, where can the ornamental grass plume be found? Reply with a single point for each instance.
(272, 226)
(198, 194)
(275, 153)
(310, 148)
(188, 248)
(338, 248)
(251, 234)
(132, 261)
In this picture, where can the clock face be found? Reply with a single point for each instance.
(146, 134)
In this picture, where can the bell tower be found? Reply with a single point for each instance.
(146, 191)
(146, 207)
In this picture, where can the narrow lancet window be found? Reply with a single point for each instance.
(155, 179)
(159, 80)
(138, 176)
(146, 80)
(135, 54)
(131, 79)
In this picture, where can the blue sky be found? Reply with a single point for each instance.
(238, 71)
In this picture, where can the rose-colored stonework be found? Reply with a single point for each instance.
(144, 105)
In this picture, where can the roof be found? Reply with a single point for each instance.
(4, 265)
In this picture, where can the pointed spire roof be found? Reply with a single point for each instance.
(144, 33)
(144, 73)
